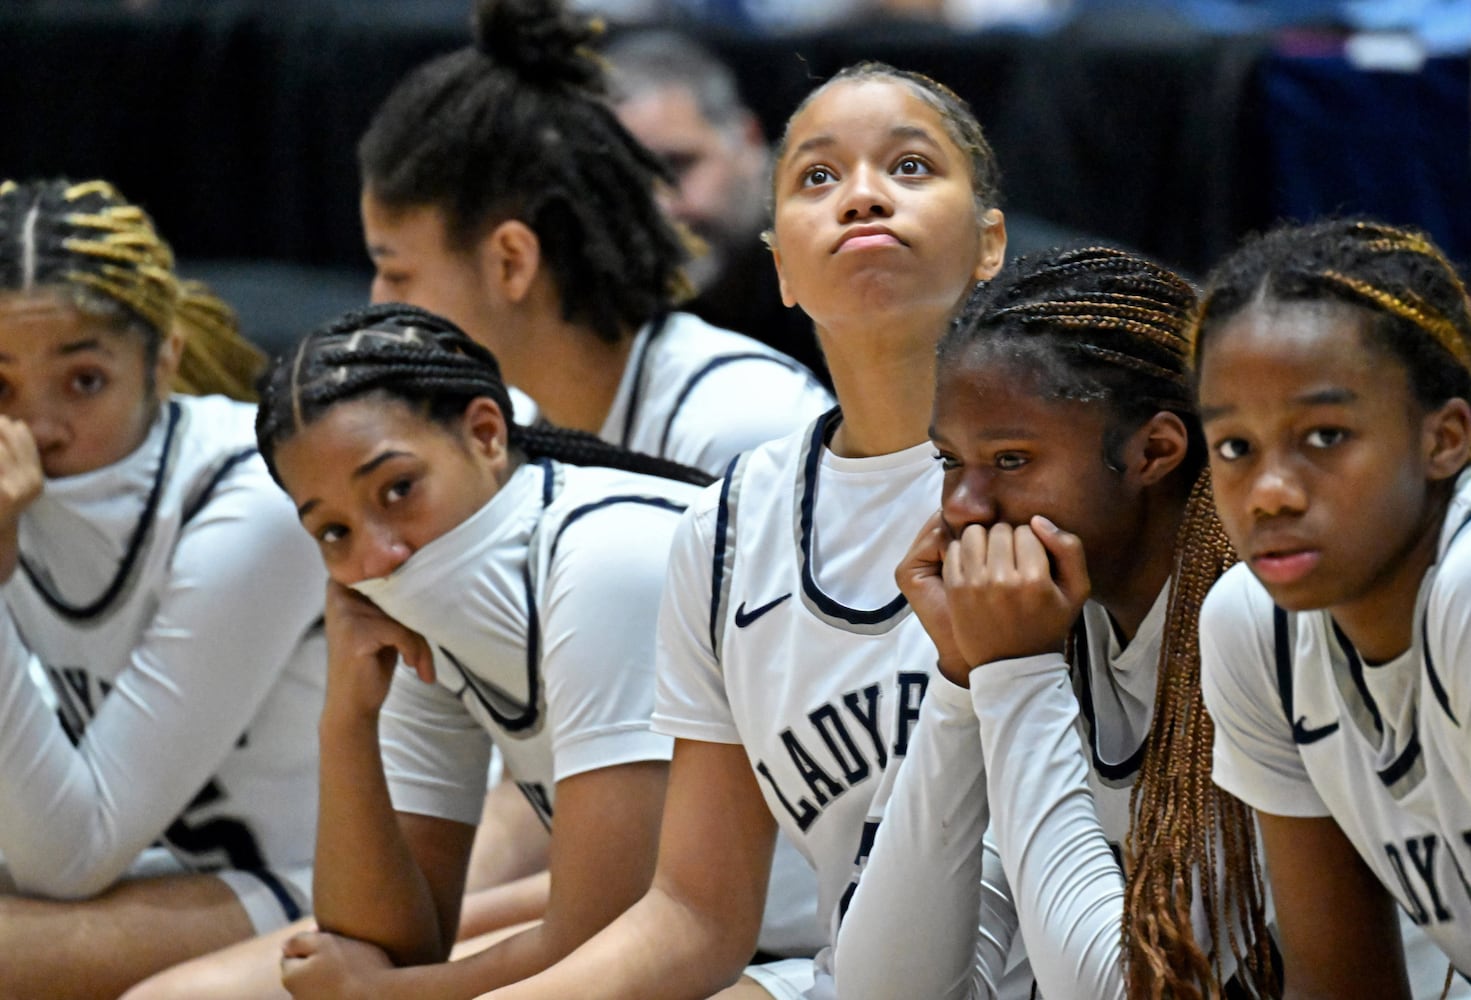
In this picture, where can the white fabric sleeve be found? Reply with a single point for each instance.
(435, 754)
(736, 406)
(1068, 888)
(598, 617)
(245, 584)
(911, 928)
(690, 700)
(1448, 626)
(1255, 757)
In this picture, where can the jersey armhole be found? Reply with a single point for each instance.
(723, 549)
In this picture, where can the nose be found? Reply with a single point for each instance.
(968, 499)
(48, 431)
(379, 552)
(866, 195)
(1276, 488)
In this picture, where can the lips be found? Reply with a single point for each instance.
(1284, 565)
(863, 237)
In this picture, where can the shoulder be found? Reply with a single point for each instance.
(1235, 601)
(600, 513)
(1238, 638)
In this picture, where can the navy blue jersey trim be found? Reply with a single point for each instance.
(1127, 768)
(197, 504)
(635, 391)
(548, 482)
(289, 905)
(808, 496)
(710, 366)
(1283, 657)
(1403, 763)
(1356, 671)
(717, 567)
(135, 543)
(662, 503)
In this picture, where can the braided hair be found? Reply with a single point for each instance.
(517, 126)
(1099, 324)
(955, 114)
(87, 242)
(401, 352)
(1415, 303)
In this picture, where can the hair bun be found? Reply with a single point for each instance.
(540, 40)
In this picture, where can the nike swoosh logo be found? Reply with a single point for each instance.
(1302, 734)
(744, 617)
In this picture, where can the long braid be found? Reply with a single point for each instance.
(414, 356)
(1098, 324)
(215, 358)
(517, 127)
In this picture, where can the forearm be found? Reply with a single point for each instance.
(1064, 878)
(59, 838)
(659, 949)
(502, 906)
(910, 929)
(366, 882)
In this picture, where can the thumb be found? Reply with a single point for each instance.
(1070, 566)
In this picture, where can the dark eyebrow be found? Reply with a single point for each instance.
(1336, 396)
(825, 140)
(75, 347)
(358, 473)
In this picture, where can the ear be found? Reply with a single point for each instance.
(1446, 436)
(992, 246)
(1157, 448)
(787, 298)
(510, 259)
(170, 353)
(486, 432)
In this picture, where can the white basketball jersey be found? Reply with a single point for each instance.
(697, 394)
(1306, 728)
(547, 645)
(102, 553)
(754, 651)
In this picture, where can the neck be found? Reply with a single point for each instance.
(885, 383)
(575, 374)
(1380, 622)
(1129, 584)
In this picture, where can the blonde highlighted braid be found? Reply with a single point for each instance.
(1414, 301)
(86, 242)
(1100, 325)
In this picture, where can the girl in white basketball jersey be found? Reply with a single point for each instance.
(790, 668)
(152, 573)
(517, 571)
(1333, 384)
(1061, 581)
(500, 191)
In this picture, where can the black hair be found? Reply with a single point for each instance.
(400, 352)
(1101, 325)
(88, 242)
(1093, 324)
(955, 114)
(1414, 302)
(517, 127)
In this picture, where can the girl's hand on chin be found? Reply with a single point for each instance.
(920, 581)
(364, 646)
(1006, 600)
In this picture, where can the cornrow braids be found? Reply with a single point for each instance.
(89, 242)
(215, 358)
(1415, 302)
(400, 352)
(517, 127)
(955, 113)
(1097, 324)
